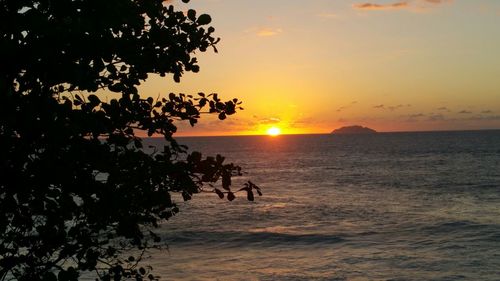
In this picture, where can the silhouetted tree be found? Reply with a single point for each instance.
(77, 191)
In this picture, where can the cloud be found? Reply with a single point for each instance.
(328, 15)
(268, 31)
(464, 112)
(342, 108)
(414, 117)
(437, 1)
(417, 115)
(486, 111)
(436, 117)
(303, 122)
(267, 120)
(443, 109)
(400, 5)
(485, 118)
(374, 6)
(212, 126)
(394, 107)
(391, 107)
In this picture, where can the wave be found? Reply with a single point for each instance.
(238, 239)
(461, 227)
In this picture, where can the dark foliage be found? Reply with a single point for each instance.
(77, 191)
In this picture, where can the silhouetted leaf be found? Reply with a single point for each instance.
(94, 100)
(191, 14)
(204, 19)
(226, 181)
(250, 196)
(219, 193)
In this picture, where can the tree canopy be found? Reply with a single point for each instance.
(77, 191)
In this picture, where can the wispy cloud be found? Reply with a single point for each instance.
(395, 107)
(211, 126)
(374, 6)
(467, 117)
(303, 122)
(342, 108)
(391, 107)
(265, 120)
(485, 118)
(417, 115)
(465, 112)
(436, 1)
(436, 117)
(269, 120)
(328, 15)
(400, 5)
(268, 31)
(414, 117)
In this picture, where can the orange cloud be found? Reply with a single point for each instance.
(266, 32)
(436, 1)
(400, 5)
(373, 6)
(328, 15)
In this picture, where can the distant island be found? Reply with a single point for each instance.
(354, 130)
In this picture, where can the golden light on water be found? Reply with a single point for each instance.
(274, 131)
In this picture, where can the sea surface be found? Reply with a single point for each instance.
(390, 206)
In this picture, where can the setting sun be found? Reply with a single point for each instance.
(274, 131)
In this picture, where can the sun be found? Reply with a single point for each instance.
(274, 131)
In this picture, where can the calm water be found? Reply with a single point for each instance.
(403, 206)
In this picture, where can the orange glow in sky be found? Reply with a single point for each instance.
(428, 65)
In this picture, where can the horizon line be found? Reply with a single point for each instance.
(378, 132)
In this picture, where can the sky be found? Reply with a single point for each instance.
(314, 66)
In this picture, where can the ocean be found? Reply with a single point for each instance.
(389, 206)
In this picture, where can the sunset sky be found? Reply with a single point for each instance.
(313, 66)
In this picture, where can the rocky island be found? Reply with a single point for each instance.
(354, 130)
